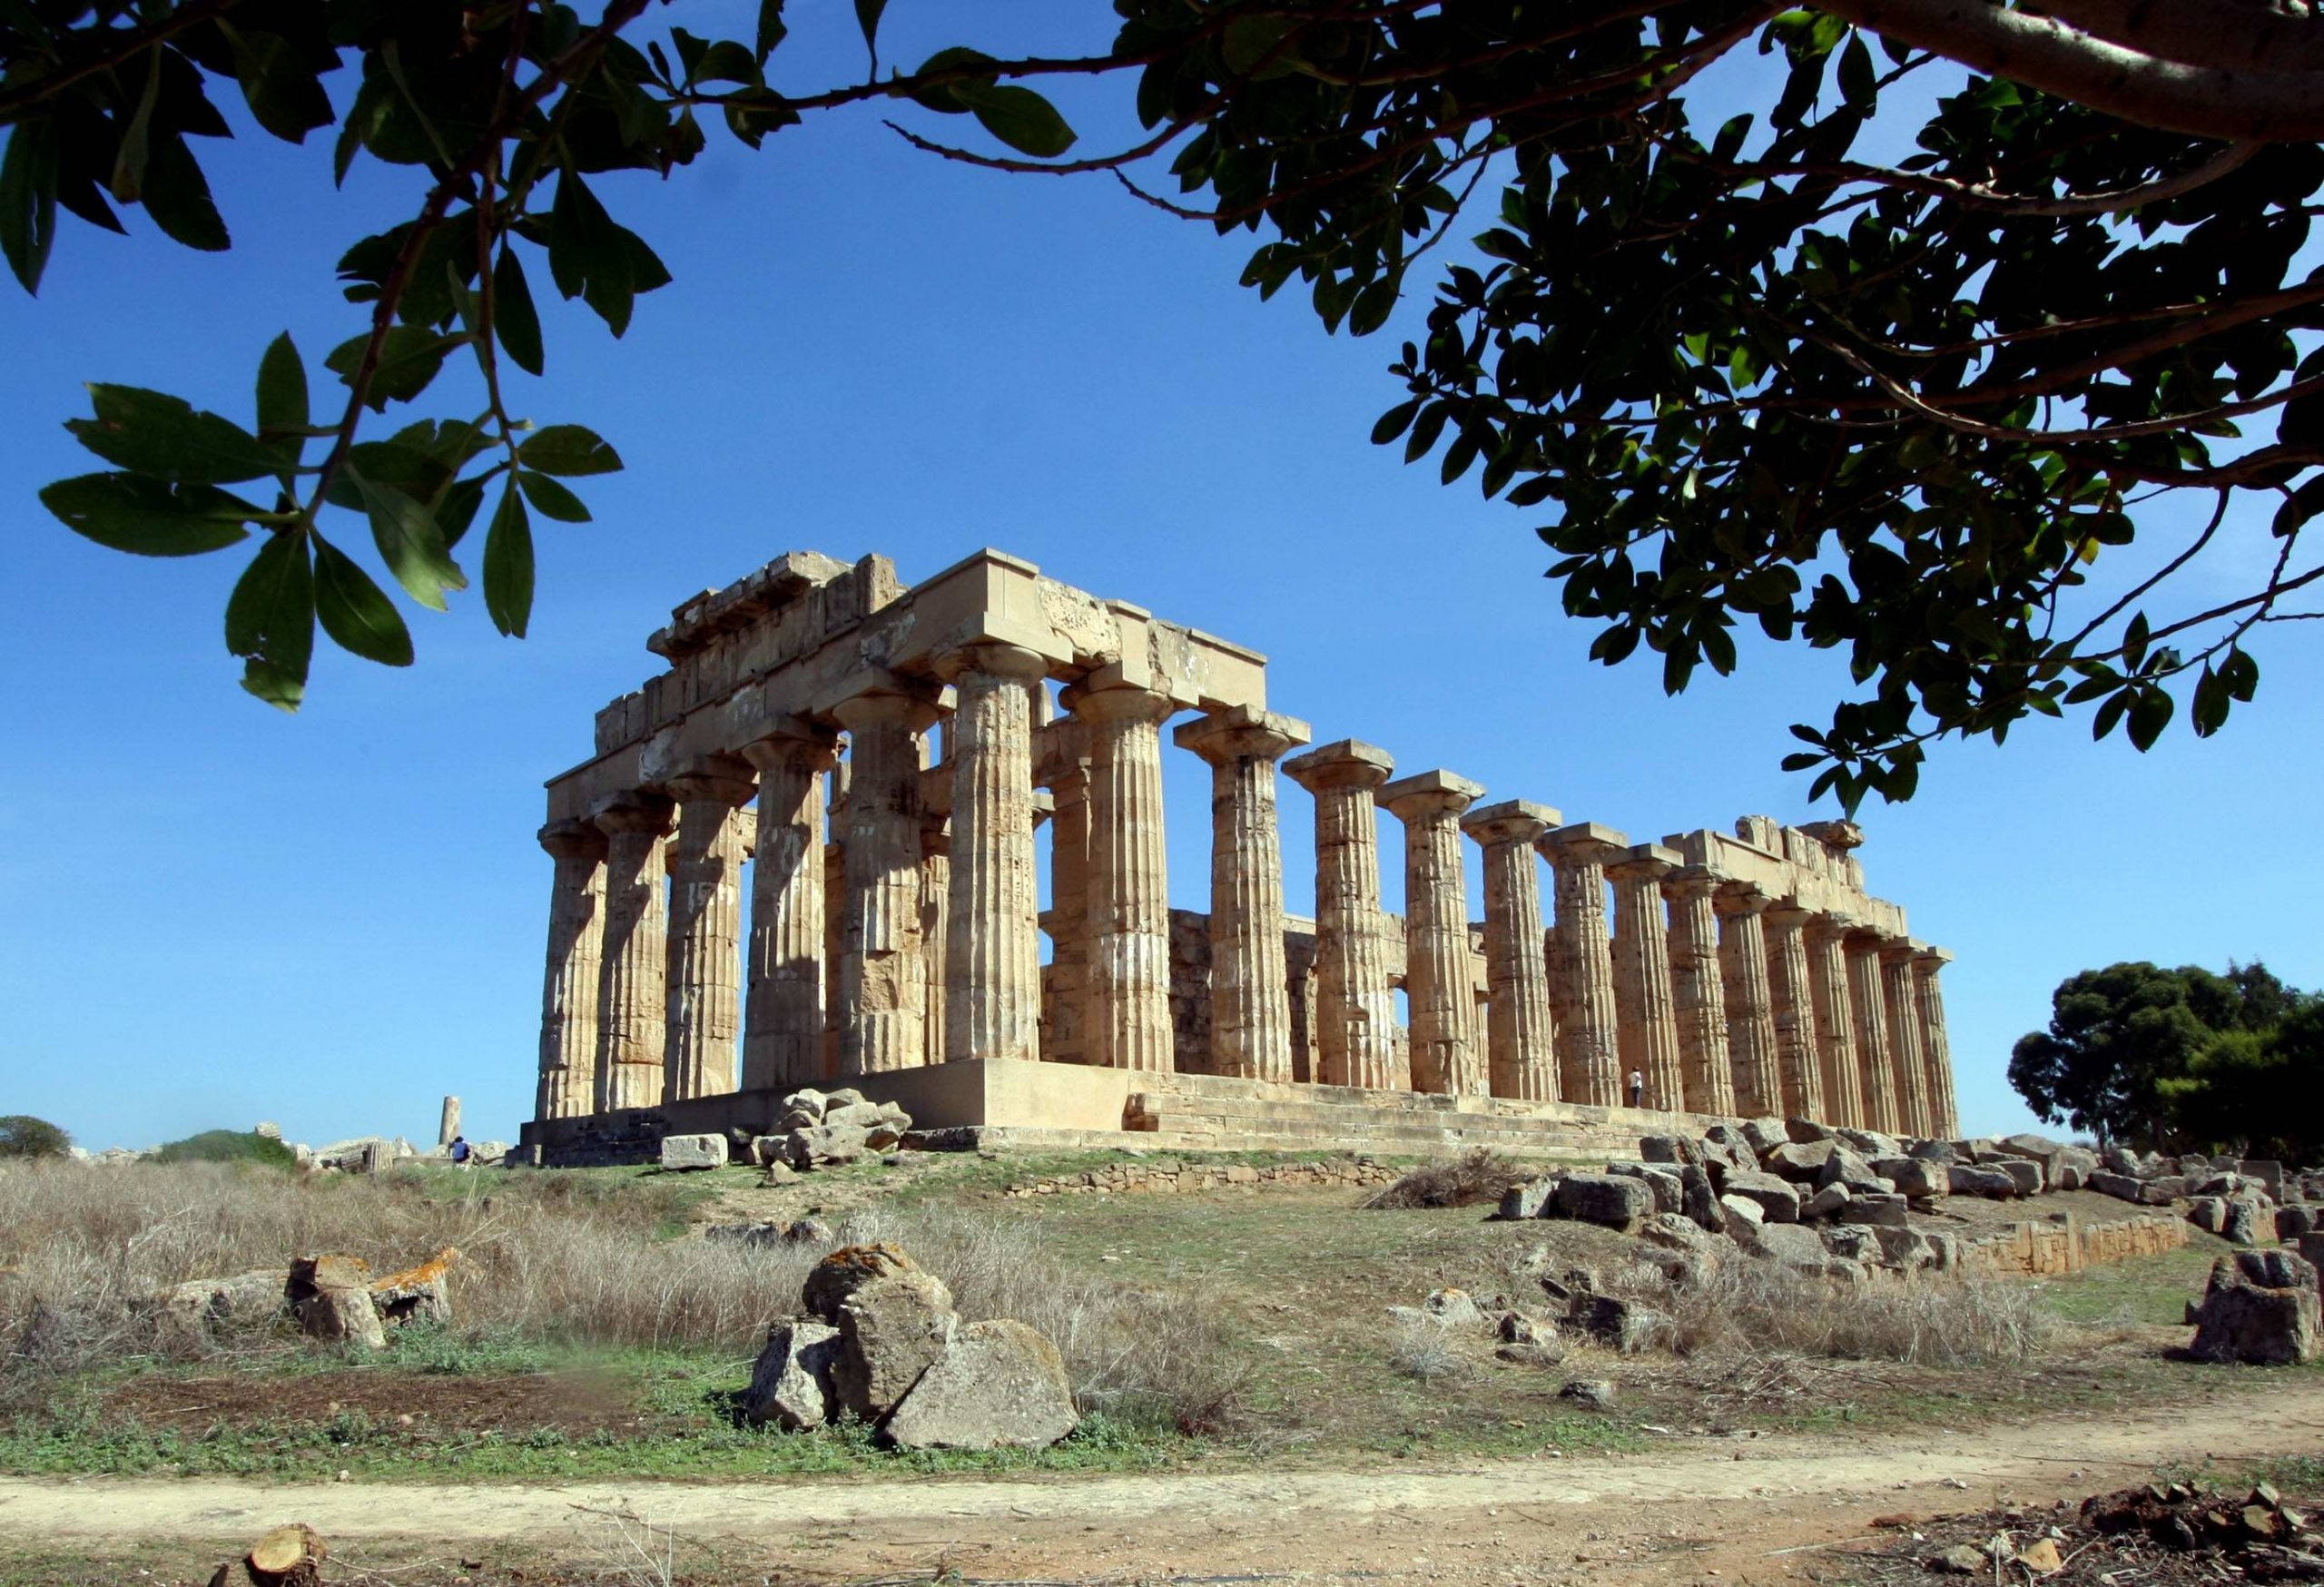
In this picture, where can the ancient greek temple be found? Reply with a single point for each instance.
(810, 851)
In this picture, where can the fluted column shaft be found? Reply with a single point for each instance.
(1875, 1066)
(1792, 1002)
(1696, 992)
(1936, 1045)
(1828, 978)
(1250, 999)
(1064, 1039)
(632, 1007)
(835, 915)
(1589, 1041)
(1356, 1007)
(992, 976)
(706, 1010)
(1520, 1048)
(1897, 987)
(576, 924)
(1128, 1024)
(783, 989)
(1446, 1055)
(1645, 1008)
(935, 931)
(1750, 1019)
(881, 981)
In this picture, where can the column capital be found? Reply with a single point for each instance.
(1427, 794)
(1241, 732)
(1582, 844)
(1690, 882)
(1899, 951)
(1929, 958)
(1124, 703)
(796, 741)
(1512, 821)
(993, 656)
(573, 840)
(1788, 912)
(1644, 862)
(1347, 763)
(912, 709)
(1862, 938)
(712, 779)
(641, 810)
(1740, 898)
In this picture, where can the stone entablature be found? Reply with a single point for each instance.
(809, 850)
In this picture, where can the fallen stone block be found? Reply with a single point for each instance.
(2260, 1308)
(1846, 1168)
(1790, 1243)
(1698, 1200)
(1662, 1181)
(693, 1151)
(421, 1294)
(1668, 1149)
(2208, 1213)
(1874, 1210)
(997, 1385)
(2293, 1221)
(792, 1384)
(331, 1296)
(1675, 1232)
(1742, 1219)
(891, 1330)
(1910, 1176)
(2250, 1221)
(2120, 1187)
(1976, 1179)
(841, 1274)
(1778, 1202)
(1625, 1325)
(1605, 1198)
(1530, 1199)
(1869, 1144)
(1805, 1131)
(1798, 1161)
(1825, 1203)
(194, 1314)
(2027, 1174)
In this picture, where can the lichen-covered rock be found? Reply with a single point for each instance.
(2260, 1306)
(1790, 1243)
(1698, 1200)
(421, 1294)
(196, 1313)
(793, 1384)
(1605, 1198)
(892, 1329)
(693, 1151)
(846, 1270)
(1625, 1325)
(1662, 1179)
(996, 1386)
(2250, 1221)
(331, 1295)
(1530, 1199)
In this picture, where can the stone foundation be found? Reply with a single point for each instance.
(2062, 1243)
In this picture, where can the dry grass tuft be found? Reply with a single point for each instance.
(1482, 1175)
(554, 1259)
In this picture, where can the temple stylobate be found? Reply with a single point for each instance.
(810, 851)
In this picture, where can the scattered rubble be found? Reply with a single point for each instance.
(822, 1130)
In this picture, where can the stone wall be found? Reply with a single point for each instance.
(1169, 1176)
(2062, 1243)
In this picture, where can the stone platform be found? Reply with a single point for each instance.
(1031, 1106)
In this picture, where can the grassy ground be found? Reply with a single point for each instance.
(1284, 1296)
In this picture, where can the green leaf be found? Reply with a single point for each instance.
(411, 355)
(508, 564)
(553, 500)
(569, 448)
(941, 98)
(1253, 47)
(130, 512)
(282, 398)
(28, 200)
(867, 17)
(1019, 117)
(1858, 76)
(271, 621)
(151, 432)
(772, 27)
(355, 612)
(177, 196)
(282, 91)
(516, 323)
(409, 542)
(457, 511)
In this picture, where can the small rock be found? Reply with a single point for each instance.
(1596, 1394)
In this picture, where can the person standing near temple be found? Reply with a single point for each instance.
(1638, 1087)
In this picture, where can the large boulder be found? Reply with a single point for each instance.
(1915, 1177)
(1844, 1166)
(1981, 1179)
(2075, 1165)
(2120, 1187)
(1805, 1131)
(1668, 1149)
(1765, 1135)
(2250, 1221)
(2208, 1213)
(1869, 1144)
(1792, 1244)
(793, 1384)
(829, 1146)
(891, 1330)
(2036, 1149)
(1828, 1202)
(1778, 1202)
(1742, 1219)
(1532, 1199)
(194, 1314)
(846, 1270)
(1874, 1208)
(331, 1295)
(996, 1386)
(2260, 1306)
(421, 1294)
(1698, 1200)
(1935, 1152)
(1661, 1178)
(693, 1151)
(1605, 1198)
(2029, 1176)
(1797, 1161)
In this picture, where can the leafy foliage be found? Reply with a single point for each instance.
(228, 1145)
(1763, 375)
(23, 1136)
(2180, 1057)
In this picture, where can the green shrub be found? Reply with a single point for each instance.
(228, 1145)
(23, 1136)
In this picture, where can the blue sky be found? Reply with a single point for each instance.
(218, 914)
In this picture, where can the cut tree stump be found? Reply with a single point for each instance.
(288, 1557)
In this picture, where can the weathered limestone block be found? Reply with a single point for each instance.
(1669, 1190)
(1447, 1057)
(190, 1316)
(1797, 1161)
(1872, 1207)
(331, 1296)
(1533, 1198)
(841, 1273)
(1605, 1198)
(1789, 1243)
(420, 1294)
(1520, 1043)
(1697, 998)
(794, 1385)
(2260, 1308)
(1916, 1177)
(1742, 1219)
(1645, 1007)
(1827, 1202)
(1627, 1326)
(1355, 1008)
(1699, 1200)
(892, 1329)
(997, 1384)
(2026, 1176)
(2250, 1221)
(1778, 1202)
(1972, 1179)
(693, 1151)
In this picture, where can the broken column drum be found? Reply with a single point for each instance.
(760, 883)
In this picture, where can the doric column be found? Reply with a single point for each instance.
(1446, 1054)
(835, 913)
(576, 924)
(783, 972)
(935, 907)
(882, 994)
(1827, 980)
(1792, 1002)
(633, 1017)
(1250, 1000)
(1743, 978)
(1646, 1011)
(1696, 992)
(1589, 1045)
(1356, 1007)
(1875, 1069)
(1066, 987)
(1899, 989)
(1128, 1008)
(992, 976)
(1937, 1046)
(1520, 1046)
(706, 928)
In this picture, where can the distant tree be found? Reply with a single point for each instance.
(2259, 1092)
(23, 1136)
(228, 1145)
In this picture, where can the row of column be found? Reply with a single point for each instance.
(1722, 1000)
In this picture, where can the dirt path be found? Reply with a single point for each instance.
(1723, 1509)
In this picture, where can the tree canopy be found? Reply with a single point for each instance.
(1896, 363)
(2181, 1058)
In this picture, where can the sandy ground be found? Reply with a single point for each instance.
(1710, 1510)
